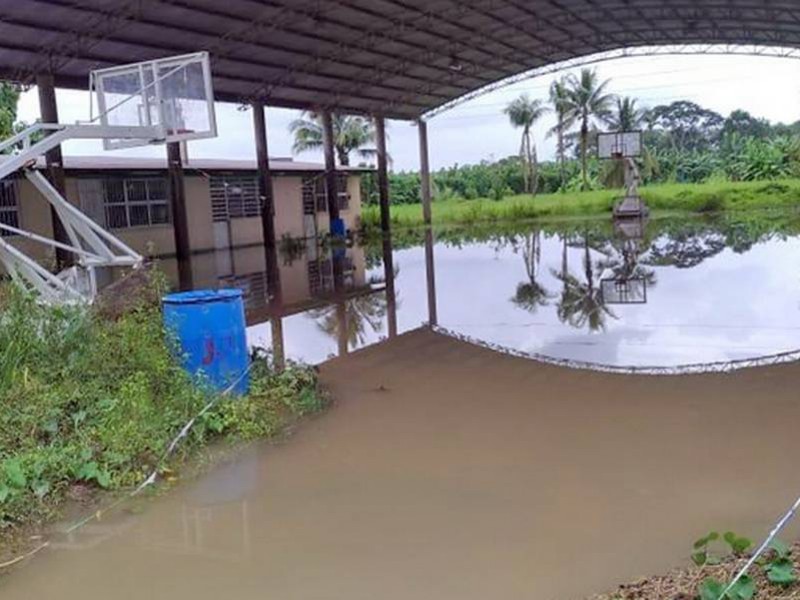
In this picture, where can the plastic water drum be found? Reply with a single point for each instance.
(209, 326)
(337, 228)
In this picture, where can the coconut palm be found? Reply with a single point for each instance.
(587, 103)
(559, 92)
(524, 112)
(350, 134)
(626, 116)
(530, 295)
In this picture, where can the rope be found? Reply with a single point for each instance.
(148, 481)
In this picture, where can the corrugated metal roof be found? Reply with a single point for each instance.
(398, 58)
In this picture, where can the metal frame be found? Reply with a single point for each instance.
(688, 369)
(605, 56)
(94, 247)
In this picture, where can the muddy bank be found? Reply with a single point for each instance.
(448, 471)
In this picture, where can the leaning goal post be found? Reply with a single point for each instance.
(619, 144)
(174, 94)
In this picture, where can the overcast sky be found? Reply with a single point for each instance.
(765, 86)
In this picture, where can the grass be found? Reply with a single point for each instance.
(89, 403)
(688, 198)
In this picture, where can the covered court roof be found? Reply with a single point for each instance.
(398, 58)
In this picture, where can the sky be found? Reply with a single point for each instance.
(478, 130)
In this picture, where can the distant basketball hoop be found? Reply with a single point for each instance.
(619, 144)
(624, 291)
(173, 95)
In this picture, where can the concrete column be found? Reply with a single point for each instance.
(180, 216)
(330, 166)
(267, 208)
(383, 175)
(424, 171)
(430, 273)
(48, 110)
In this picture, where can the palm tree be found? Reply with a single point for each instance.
(531, 294)
(350, 134)
(559, 92)
(626, 116)
(587, 103)
(524, 112)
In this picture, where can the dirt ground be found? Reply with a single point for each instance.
(448, 471)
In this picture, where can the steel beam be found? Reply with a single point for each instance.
(48, 110)
(331, 185)
(383, 174)
(424, 171)
(180, 215)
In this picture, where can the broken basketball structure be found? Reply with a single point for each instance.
(152, 102)
(626, 147)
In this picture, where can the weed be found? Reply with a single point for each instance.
(96, 401)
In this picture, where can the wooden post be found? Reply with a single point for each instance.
(424, 171)
(330, 167)
(180, 216)
(48, 110)
(383, 175)
(267, 198)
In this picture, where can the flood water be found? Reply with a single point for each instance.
(664, 293)
(445, 470)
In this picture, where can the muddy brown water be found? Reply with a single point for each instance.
(447, 471)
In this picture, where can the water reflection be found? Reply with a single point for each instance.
(665, 292)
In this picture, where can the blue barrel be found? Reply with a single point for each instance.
(210, 328)
(338, 228)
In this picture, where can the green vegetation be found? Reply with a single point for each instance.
(777, 566)
(89, 403)
(690, 198)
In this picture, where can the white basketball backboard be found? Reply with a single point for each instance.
(619, 144)
(174, 94)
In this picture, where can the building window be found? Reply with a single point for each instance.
(9, 208)
(314, 193)
(135, 202)
(234, 196)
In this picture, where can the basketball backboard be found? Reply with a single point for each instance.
(619, 144)
(624, 291)
(174, 94)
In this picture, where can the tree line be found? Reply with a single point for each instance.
(683, 142)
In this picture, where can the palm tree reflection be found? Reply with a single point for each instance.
(581, 303)
(531, 294)
(350, 320)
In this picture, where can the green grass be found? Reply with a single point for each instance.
(688, 198)
(91, 403)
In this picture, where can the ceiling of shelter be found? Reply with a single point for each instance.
(399, 58)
